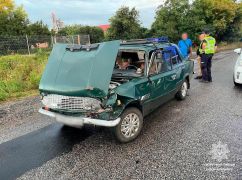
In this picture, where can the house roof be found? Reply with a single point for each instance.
(104, 27)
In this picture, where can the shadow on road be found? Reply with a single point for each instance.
(34, 149)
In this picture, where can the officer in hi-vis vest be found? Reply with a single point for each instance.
(207, 50)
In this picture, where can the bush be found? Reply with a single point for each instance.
(20, 74)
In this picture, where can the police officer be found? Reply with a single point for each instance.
(207, 50)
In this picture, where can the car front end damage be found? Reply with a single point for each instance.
(78, 111)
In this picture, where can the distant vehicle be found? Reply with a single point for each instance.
(238, 68)
(113, 84)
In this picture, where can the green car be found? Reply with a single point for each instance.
(113, 84)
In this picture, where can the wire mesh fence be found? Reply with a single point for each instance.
(31, 44)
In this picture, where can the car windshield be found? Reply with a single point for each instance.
(130, 63)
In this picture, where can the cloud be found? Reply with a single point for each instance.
(87, 12)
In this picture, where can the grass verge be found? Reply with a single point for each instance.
(20, 75)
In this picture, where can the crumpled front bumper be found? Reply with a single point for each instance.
(79, 121)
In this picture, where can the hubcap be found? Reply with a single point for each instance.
(184, 89)
(130, 125)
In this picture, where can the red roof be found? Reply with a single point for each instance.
(104, 27)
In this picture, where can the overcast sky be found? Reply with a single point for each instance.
(86, 12)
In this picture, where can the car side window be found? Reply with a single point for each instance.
(153, 65)
(174, 55)
(179, 58)
(174, 60)
(163, 62)
(166, 57)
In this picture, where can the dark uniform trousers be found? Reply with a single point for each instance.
(206, 65)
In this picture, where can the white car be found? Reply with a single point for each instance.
(238, 68)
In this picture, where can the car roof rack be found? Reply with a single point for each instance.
(162, 39)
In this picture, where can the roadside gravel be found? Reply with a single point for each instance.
(20, 117)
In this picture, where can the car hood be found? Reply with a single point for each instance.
(75, 70)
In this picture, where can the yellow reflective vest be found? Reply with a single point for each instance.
(210, 45)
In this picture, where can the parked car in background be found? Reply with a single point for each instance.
(113, 84)
(237, 77)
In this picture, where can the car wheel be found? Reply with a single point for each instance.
(182, 93)
(235, 83)
(129, 126)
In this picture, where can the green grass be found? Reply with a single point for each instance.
(20, 74)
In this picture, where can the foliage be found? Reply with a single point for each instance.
(125, 24)
(20, 73)
(96, 34)
(14, 21)
(217, 15)
(6, 5)
(221, 17)
(234, 31)
(170, 18)
(38, 28)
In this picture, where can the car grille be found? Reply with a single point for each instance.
(69, 103)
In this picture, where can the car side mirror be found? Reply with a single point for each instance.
(238, 51)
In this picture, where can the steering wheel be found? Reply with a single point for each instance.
(132, 67)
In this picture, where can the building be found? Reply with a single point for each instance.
(104, 27)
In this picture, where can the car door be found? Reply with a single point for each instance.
(161, 76)
(172, 74)
(178, 67)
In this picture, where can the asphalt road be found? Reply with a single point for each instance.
(199, 138)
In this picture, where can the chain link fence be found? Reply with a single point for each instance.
(31, 44)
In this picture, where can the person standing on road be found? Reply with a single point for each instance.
(185, 45)
(208, 47)
(199, 73)
(207, 52)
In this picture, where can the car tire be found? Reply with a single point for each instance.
(235, 83)
(182, 93)
(130, 117)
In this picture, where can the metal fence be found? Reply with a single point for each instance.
(31, 44)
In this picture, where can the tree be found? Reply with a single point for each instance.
(170, 19)
(70, 30)
(125, 24)
(96, 34)
(217, 15)
(6, 5)
(221, 17)
(234, 31)
(38, 28)
(13, 20)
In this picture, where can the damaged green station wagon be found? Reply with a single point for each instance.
(113, 84)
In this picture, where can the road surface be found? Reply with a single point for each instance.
(199, 138)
